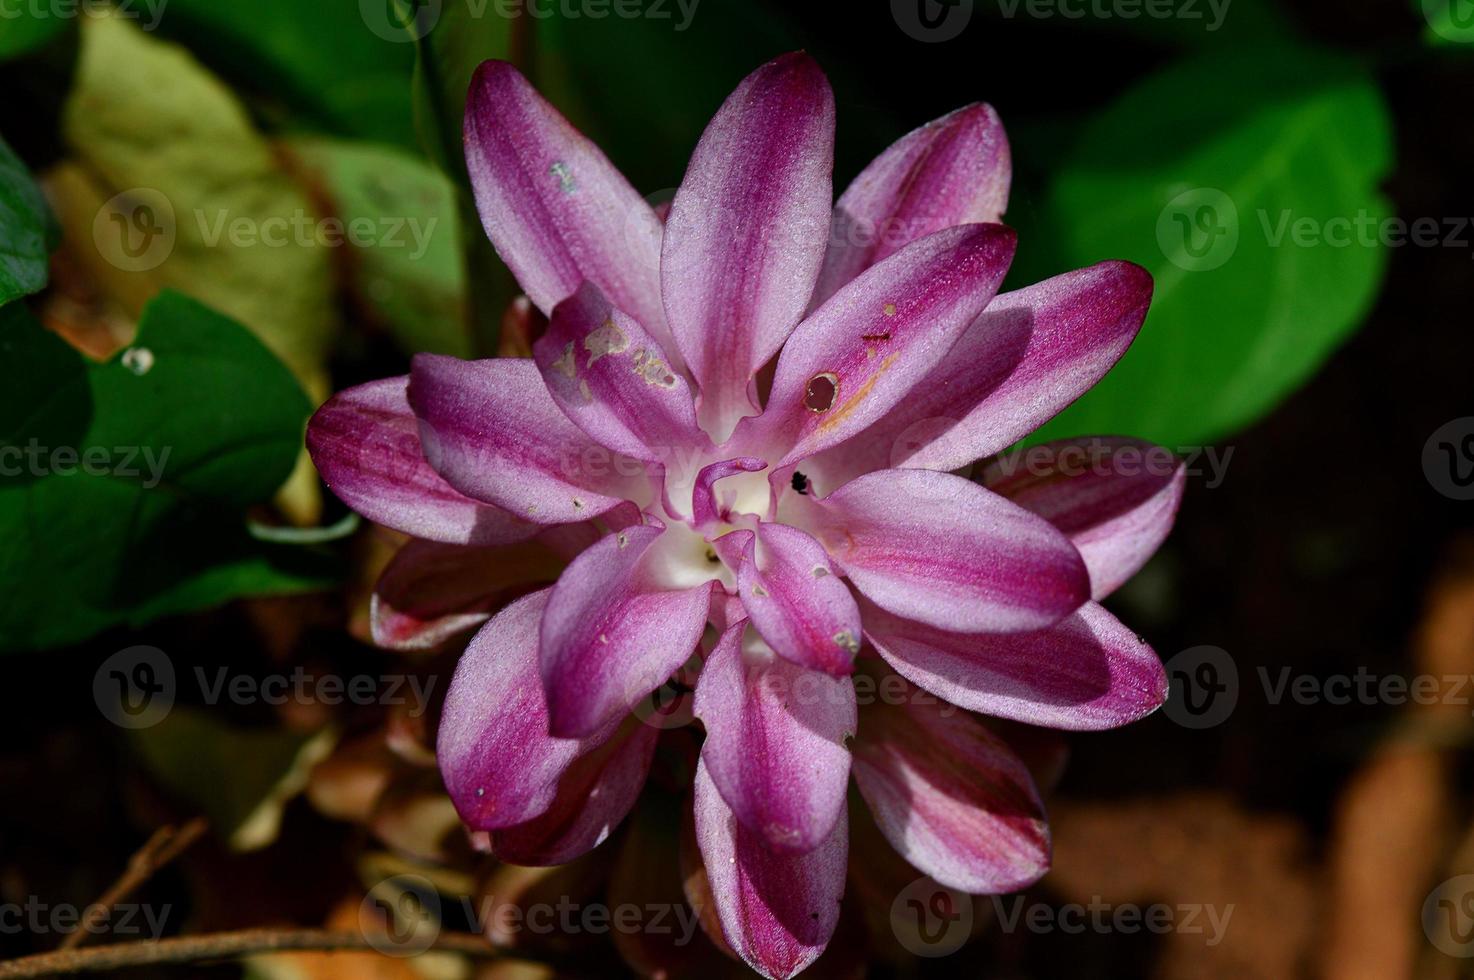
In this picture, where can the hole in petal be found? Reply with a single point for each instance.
(820, 394)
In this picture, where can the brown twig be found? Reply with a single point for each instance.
(218, 946)
(165, 845)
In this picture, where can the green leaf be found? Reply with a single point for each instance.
(123, 485)
(408, 275)
(1450, 22)
(448, 50)
(27, 230)
(177, 188)
(240, 778)
(323, 62)
(26, 28)
(1199, 174)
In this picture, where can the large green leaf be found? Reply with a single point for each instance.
(123, 485)
(26, 230)
(323, 62)
(406, 275)
(25, 27)
(191, 196)
(1201, 174)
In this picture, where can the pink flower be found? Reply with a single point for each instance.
(809, 513)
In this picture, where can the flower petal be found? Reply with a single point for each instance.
(596, 792)
(500, 765)
(777, 910)
(615, 382)
(797, 602)
(1086, 673)
(493, 431)
(609, 637)
(1116, 498)
(942, 550)
(951, 797)
(366, 444)
(954, 170)
(430, 592)
(746, 231)
(860, 353)
(556, 209)
(775, 740)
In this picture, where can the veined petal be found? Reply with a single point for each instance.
(796, 601)
(596, 792)
(951, 797)
(777, 910)
(615, 381)
(954, 170)
(500, 765)
(853, 359)
(1086, 673)
(609, 637)
(746, 231)
(366, 444)
(430, 592)
(1115, 498)
(942, 550)
(556, 209)
(493, 431)
(775, 741)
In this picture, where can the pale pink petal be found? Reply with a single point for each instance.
(775, 740)
(951, 797)
(1115, 498)
(500, 765)
(942, 550)
(493, 431)
(556, 209)
(954, 170)
(797, 602)
(1085, 673)
(610, 636)
(853, 359)
(594, 795)
(777, 910)
(366, 444)
(746, 231)
(615, 382)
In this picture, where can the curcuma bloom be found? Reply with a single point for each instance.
(737, 445)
